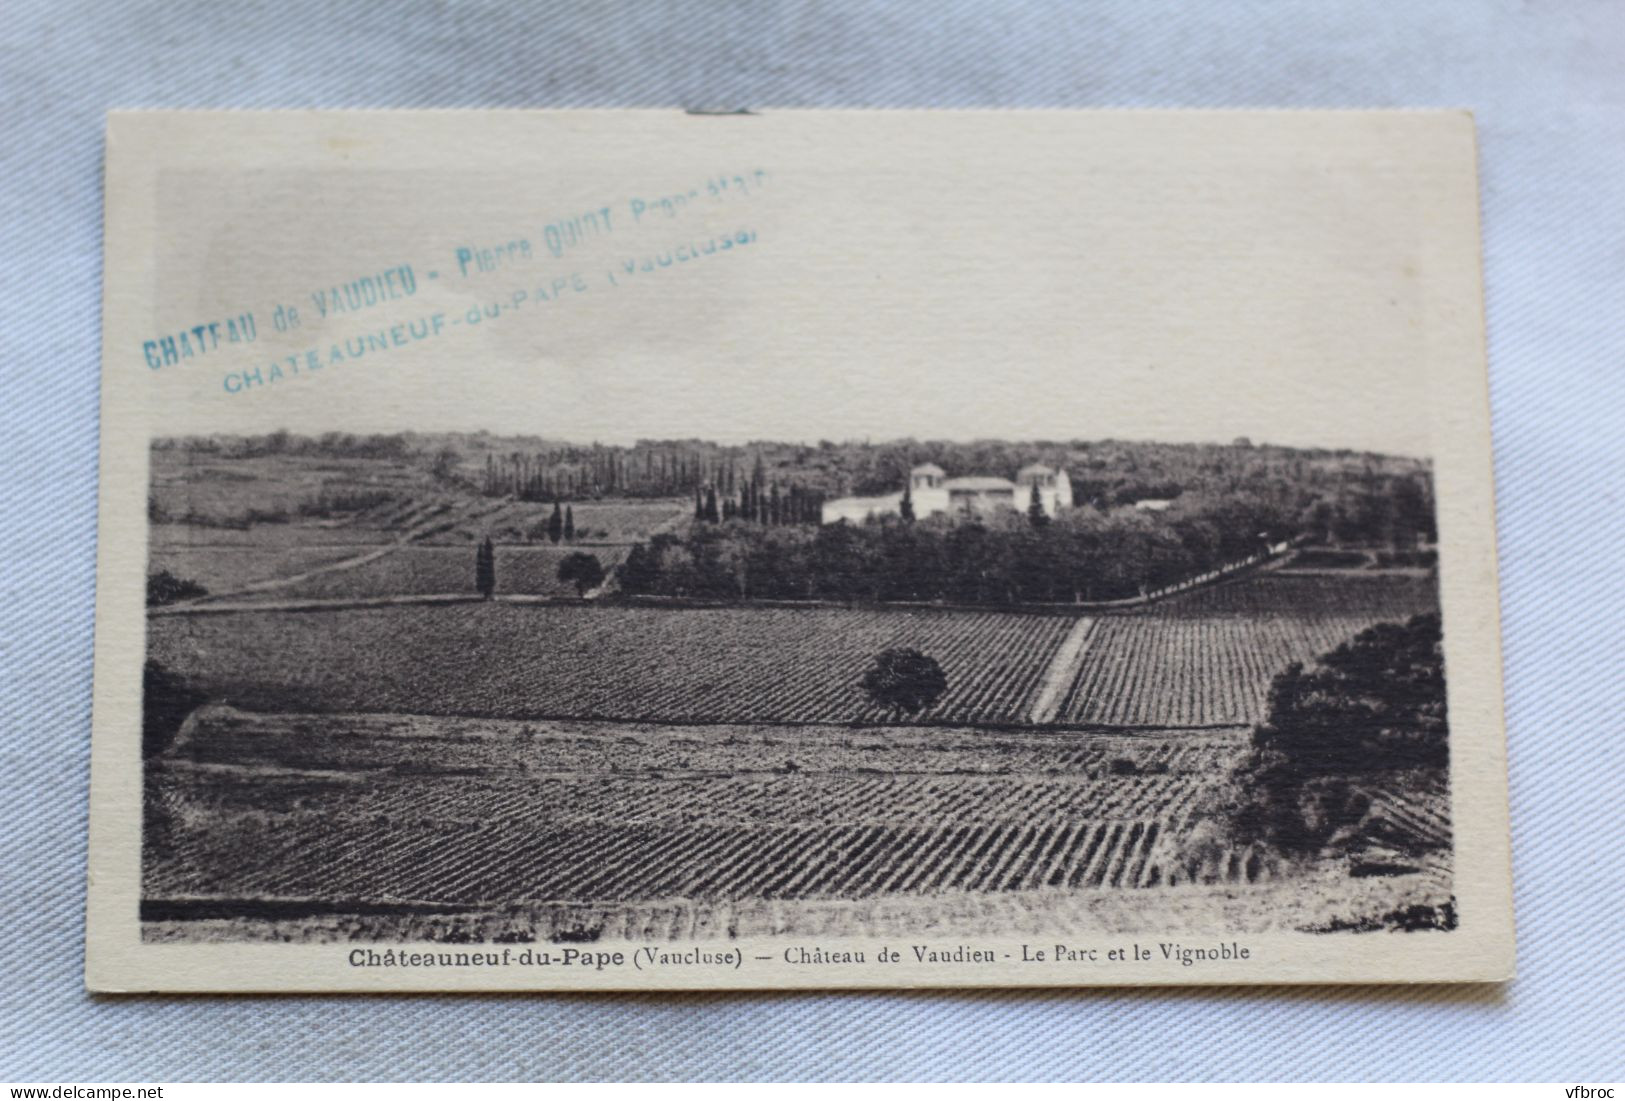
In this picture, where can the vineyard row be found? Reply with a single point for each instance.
(483, 864)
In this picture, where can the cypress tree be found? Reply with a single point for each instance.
(569, 524)
(711, 505)
(905, 507)
(485, 569)
(555, 524)
(1036, 516)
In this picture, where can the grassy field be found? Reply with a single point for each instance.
(213, 491)
(231, 523)
(432, 570)
(226, 569)
(614, 521)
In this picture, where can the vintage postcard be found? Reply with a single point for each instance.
(643, 549)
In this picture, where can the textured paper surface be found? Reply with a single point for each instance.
(1303, 279)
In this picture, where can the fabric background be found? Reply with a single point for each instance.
(1547, 82)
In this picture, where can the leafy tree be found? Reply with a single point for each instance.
(445, 462)
(839, 563)
(569, 524)
(640, 573)
(582, 570)
(1412, 512)
(166, 701)
(485, 568)
(731, 562)
(904, 681)
(910, 562)
(164, 587)
(555, 524)
(1373, 706)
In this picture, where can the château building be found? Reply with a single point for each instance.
(931, 493)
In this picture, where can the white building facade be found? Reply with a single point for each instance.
(932, 493)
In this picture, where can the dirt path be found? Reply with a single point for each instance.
(1063, 669)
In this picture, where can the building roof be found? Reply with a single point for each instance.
(927, 468)
(980, 483)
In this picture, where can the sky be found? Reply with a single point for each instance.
(876, 277)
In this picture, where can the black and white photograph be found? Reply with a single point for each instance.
(512, 689)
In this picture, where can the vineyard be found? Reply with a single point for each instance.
(1170, 666)
(1192, 671)
(374, 743)
(674, 665)
(1351, 594)
(1207, 657)
(453, 762)
(519, 859)
(513, 811)
(530, 769)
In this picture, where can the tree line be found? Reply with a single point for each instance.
(1369, 497)
(757, 502)
(646, 469)
(1009, 557)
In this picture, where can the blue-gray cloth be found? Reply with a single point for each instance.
(1547, 82)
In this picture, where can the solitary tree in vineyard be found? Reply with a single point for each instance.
(555, 524)
(569, 524)
(904, 680)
